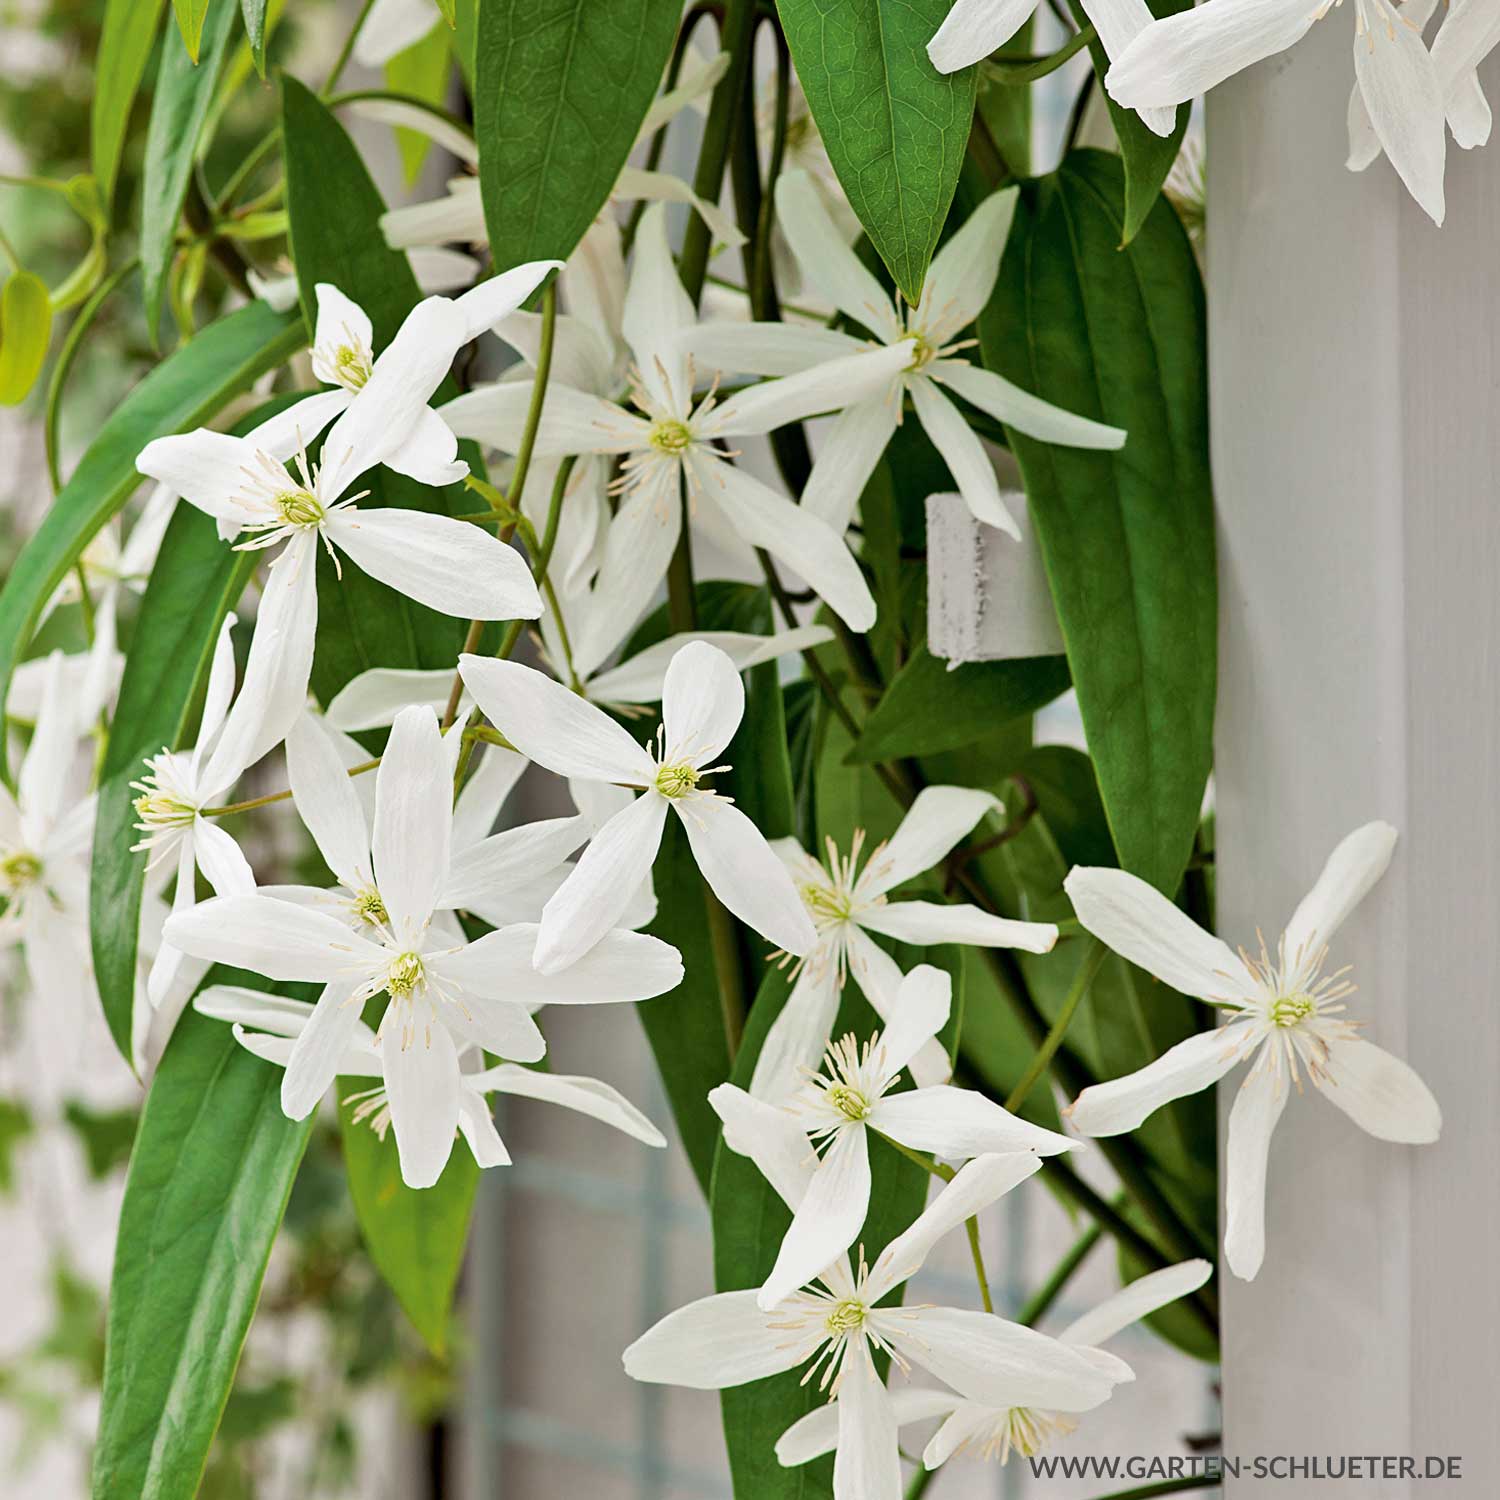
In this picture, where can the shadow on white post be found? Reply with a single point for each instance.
(1355, 373)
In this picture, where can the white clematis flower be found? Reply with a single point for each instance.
(675, 443)
(391, 26)
(46, 830)
(975, 28)
(442, 991)
(848, 901)
(838, 1108)
(703, 701)
(1285, 1012)
(1180, 56)
(728, 1340)
(957, 287)
(994, 1432)
(269, 1026)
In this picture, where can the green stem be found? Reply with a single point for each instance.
(1040, 1302)
(239, 807)
(1092, 960)
(1020, 70)
(342, 60)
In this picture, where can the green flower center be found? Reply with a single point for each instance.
(824, 904)
(846, 1316)
(924, 353)
(19, 870)
(352, 366)
(670, 436)
(299, 508)
(163, 810)
(368, 907)
(676, 780)
(404, 975)
(849, 1102)
(1288, 1010)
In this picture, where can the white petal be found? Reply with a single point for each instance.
(661, 187)
(789, 533)
(847, 456)
(1174, 59)
(919, 1013)
(703, 701)
(799, 1035)
(657, 310)
(448, 565)
(1380, 1093)
(964, 455)
(717, 1342)
(880, 977)
(374, 698)
(391, 26)
(826, 259)
(297, 426)
(968, 1421)
(490, 869)
(1008, 403)
(830, 386)
(958, 1123)
(817, 1433)
(604, 882)
(485, 793)
(428, 453)
(1350, 874)
(770, 1136)
(963, 272)
(975, 1186)
(330, 1032)
(1401, 91)
(620, 966)
(867, 1464)
(423, 1086)
(734, 348)
(341, 321)
(437, 129)
(413, 821)
(205, 468)
(499, 296)
(938, 818)
(1137, 1300)
(1189, 1067)
(586, 1096)
(1364, 144)
(640, 679)
(745, 875)
(278, 1014)
(220, 686)
(223, 864)
(497, 1026)
(999, 1363)
(1118, 23)
(975, 28)
(327, 803)
(829, 1218)
(581, 356)
(44, 774)
(552, 726)
(1257, 1108)
(274, 938)
(927, 922)
(477, 1126)
(1140, 924)
(1468, 112)
(457, 215)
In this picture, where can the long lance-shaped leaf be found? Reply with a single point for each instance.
(562, 87)
(895, 128)
(334, 210)
(209, 1179)
(124, 48)
(184, 93)
(254, 12)
(1128, 537)
(183, 391)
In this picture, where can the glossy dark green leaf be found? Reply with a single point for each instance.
(1148, 157)
(749, 1221)
(208, 1183)
(334, 210)
(927, 707)
(561, 89)
(895, 128)
(124, 48)
(254, 12)
(1128, 537)
(183, 391)
(184, 94)
(416, 1238)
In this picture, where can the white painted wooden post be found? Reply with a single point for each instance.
(1355, 355)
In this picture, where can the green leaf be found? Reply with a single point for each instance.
(416, 1238)
(1148, 157)
(124, 47)
(894, 127)
(184, 92)
(183, 391)
(25, 328)
(208, 1183)
(562, 87)
(927, 707)
(448, 9)
(334, 211)
(254, 12)
(1128, 538)
(421, 72)
(749, 1222)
